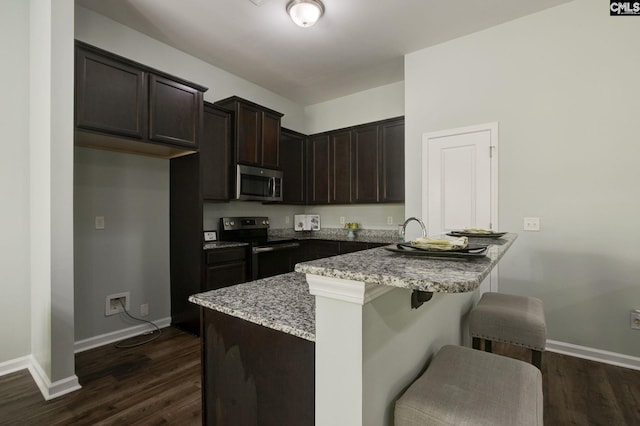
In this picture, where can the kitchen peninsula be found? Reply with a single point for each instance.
(336, 341)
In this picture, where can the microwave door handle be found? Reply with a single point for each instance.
(272, 187)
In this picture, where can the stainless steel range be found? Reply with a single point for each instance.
(269, 256)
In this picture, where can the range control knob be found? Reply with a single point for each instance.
(232, 223)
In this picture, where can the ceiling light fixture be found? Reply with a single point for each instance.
(305, 13)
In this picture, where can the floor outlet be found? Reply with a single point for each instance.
(144, 309)
(114, 303)
(635, 319)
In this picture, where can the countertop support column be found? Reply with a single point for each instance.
(370, 345)
(339, 347)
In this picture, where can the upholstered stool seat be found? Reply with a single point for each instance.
(463, 386)
(508, 318)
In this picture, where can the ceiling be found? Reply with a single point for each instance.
(356, 45)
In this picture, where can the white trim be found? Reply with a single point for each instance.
(115, 336)
(48, 389)
(14, 365)
(592, 354)
(351, 291)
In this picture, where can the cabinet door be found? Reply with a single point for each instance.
(110, 96)
(352, 246)
(392, 161)
(270, 140)
(318, 170)
(340, 166)
(293, 157)
(215, 154)
(248, 128)
(365, 164)
(319, 249)
(175, 112)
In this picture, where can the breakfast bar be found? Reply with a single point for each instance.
(339, 338)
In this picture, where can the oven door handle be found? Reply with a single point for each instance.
(257, 250)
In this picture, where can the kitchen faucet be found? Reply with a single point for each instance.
(406, 222)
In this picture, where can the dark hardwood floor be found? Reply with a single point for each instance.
(153, 384)
(159, 383)
(582, 392)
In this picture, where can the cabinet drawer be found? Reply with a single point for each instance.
(226, 255)
(220, 276)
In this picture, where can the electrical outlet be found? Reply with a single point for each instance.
(114, 302)
(99, 222)
(287, 219)
(144, 309)
(531, 224)
(389, 220)
(342, 220)
(635, 319)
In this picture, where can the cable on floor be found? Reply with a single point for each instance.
(121, 346)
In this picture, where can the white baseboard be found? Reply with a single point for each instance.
(48, 389)
(14, 365)
(592, 354)
(116, 336)
(58, 388)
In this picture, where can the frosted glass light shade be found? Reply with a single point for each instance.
(305, 13)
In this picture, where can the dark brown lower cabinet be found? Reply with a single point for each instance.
(225, 267)
(318, 249)
(254, 375)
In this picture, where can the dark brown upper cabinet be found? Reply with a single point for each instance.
(340, 167)
(292, 162)
(122, 105)
(175, 112)
(257, 132)
(392, 161)
(366, 161)
(360, 164)
(318, 171)
(216, 162)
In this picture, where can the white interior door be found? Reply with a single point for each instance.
(459, 175)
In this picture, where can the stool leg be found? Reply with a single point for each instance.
(487, 345)
(536, 359)
(475, 342)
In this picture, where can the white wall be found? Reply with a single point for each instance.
(131, 253)
(562, 85)
(369, 216)
(359, 108)
(14, 182)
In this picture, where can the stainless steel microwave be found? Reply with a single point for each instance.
(257, 183)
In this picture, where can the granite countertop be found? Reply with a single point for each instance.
(438, 275)
(383, 236)
(212, 245)
(282, 302)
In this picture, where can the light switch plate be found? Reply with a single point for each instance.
(99, 222)
(531, 224)
(210, 235)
